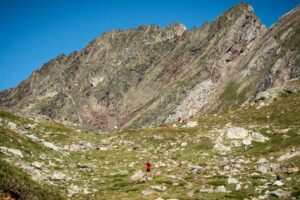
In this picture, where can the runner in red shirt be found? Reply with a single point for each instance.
(148, 168)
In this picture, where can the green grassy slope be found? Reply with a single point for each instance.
(172, 149)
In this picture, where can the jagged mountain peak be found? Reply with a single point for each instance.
(150, 75)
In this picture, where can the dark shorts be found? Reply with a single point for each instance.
(148, 170)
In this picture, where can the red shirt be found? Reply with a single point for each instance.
(148, 166)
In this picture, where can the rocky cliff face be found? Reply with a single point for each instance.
(151, 75)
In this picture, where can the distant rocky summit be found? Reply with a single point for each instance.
(151, 75)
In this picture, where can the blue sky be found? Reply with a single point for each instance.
(34, 31)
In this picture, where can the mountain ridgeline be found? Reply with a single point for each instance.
(151, 75)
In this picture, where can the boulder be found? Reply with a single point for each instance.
(138, 176)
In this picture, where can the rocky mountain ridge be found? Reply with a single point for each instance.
(151, 75)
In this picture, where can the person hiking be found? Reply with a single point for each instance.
(148, 168)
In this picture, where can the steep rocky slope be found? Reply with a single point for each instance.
(151, 75)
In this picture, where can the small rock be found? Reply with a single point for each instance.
(37, 165)
(264, 167)
(73, 189)
(58, 176)
(191, 124)
(221, 148)
(84, 165)
(33, 138)
(238, 187)
(278, 183)
(221, 188)
(247, 141)
(29, 127)
(262, 160)
(232, 181)
(206, 190)
(195, 168)
(237, 133)
(51, 146)
(102, 148)
(280, 193)
(288, 156)
(183, 144)
(293, 170)
(147, 192)
(12, 125)
(42, 156)
(159, 187)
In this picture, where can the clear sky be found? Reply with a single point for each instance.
(34, 31)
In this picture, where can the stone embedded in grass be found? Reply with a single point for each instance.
(16, 152)
(103, 148)
(159, 187)
(190, 124)
(138, 176)
(12, 125)
(73, 189)
(34, 138)
(42, 156)
(37, 165)
(29, 126)
(288, 155)
(278, 183)
(183, 144)
(232, 181)
(280, 194)
(207, 190)
(85, 165)
(222, 148)
(238, 187)
(221, 188)
(51, 146)
(58, 176)
(237, 133)
(146, 192)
